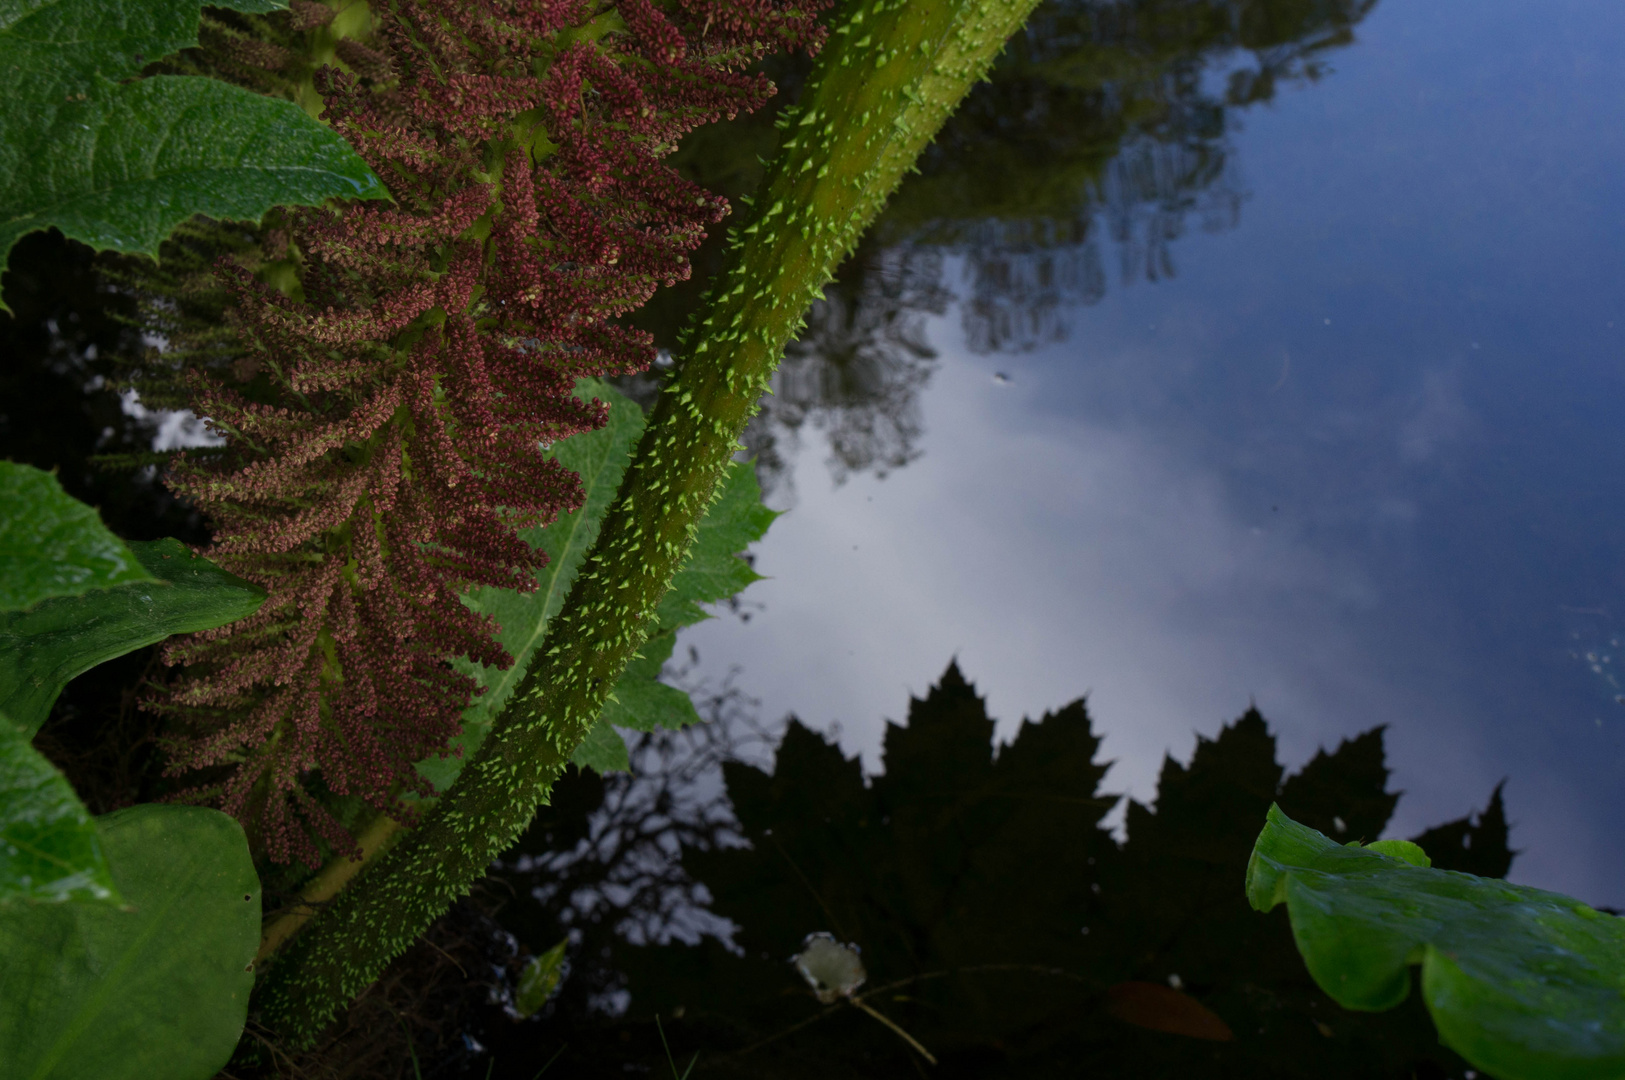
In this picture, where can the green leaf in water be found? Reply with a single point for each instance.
(49, 851)
(1524, 984)
(44, 648)
(51, 544)
(157, 990)
(540, 978)
(920, 866)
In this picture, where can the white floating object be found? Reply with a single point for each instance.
(832, 969)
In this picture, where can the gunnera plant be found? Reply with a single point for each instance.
(397, 371)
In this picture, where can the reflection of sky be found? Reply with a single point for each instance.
(1360, 461)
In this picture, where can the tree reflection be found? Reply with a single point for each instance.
(1103, 136)
(857, 370)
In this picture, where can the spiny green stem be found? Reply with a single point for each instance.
(892, 73)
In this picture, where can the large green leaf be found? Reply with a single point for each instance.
(57, 50)
(156, 991)
(51, 544)
(1523, 983)
(599, 458)
(641, 701)
(713, 572)
(67, 46)
(43, 648)
(119, 164)
(49, 851)
(122, 169)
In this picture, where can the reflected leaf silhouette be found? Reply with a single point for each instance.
(1001, 925)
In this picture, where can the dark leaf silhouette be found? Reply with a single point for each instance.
(1473, 845)
(1002, 929)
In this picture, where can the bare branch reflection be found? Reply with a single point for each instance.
(1105, 135)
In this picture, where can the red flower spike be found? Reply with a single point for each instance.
(432, 355)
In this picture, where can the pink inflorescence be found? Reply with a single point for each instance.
(389, 446)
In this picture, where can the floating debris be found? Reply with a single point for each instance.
(832, 969)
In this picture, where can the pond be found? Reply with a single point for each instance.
(1315, 403)
(1235, 377)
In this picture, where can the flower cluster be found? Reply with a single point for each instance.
(386, 419)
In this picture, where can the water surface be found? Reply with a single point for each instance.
(1343, 439)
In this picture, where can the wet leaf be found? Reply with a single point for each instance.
(156, 990)
(51, 544)
(42, 649)
(49, 850)
(713, 572)
(1162, 1008)
(1523, 983)
(540, 979)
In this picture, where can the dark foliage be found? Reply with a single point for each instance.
(1001, 926)
(413, 1023)
(62, 345)
(1476, 844)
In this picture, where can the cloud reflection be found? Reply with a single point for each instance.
(1055, 556)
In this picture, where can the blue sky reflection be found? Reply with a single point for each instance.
(1359, 461)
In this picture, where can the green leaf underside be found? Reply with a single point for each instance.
(155, 992)
(49, 851)
(603, 750)
(122, 169)
(598, 458)
(714, 572)
(51, 544)
(1523, 983)
(42, 649)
